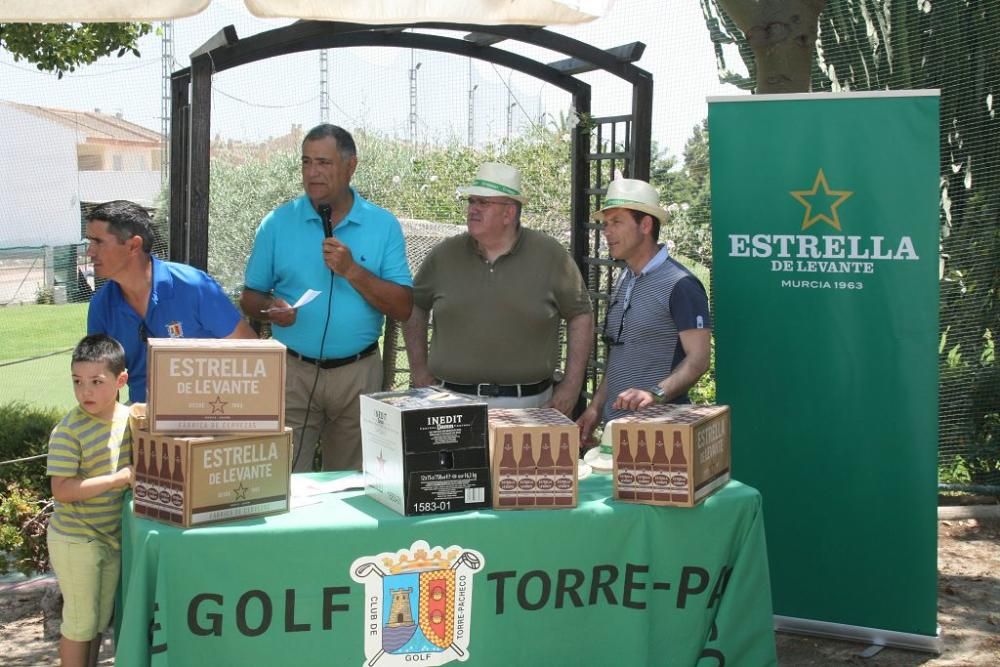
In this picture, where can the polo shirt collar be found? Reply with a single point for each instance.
(518, 240)
(658, 259)
(353, 216)
(163, 282)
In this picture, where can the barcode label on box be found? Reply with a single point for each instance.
(476, 494)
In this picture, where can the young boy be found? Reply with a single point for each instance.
(89, 462)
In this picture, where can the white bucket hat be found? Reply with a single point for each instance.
(636, 195)
(496, 180)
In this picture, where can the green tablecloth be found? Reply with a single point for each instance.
(607, 583)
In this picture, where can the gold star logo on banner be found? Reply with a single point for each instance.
(241, 492)
(825, 202)
(218, 405)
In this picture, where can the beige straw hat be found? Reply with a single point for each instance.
(496, 180)
(634, 194)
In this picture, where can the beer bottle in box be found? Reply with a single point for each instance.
(139, 492)
(643, 473)
(661, 470)
(177, 488)
(545, 485)
(678, 471)
(625, 476)
(507, 482)
(565, 473)
(526, 473)
(166, 509)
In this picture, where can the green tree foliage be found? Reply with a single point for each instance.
(243, 189)
(422, 185)
(62, 47)
(686, 192)
(950, 46)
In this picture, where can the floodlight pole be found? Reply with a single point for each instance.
(413, 99)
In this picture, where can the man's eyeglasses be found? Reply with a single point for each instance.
(481, 202)
(627, 303)
(617, 340)
(144, 332)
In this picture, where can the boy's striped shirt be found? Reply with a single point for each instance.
(82, 445)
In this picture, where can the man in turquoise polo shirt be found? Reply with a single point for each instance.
(334, 241)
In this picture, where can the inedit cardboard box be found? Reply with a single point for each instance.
(191, 481)
(534, 455)
(425, 451)
(209, 386)
(671, 454)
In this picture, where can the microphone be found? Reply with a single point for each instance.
(324, 215)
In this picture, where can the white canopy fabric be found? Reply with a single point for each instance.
(479, 12)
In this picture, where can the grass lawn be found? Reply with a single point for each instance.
(29, 333)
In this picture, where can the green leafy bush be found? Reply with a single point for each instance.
(24, 517)
(24, 503)
(24, 432)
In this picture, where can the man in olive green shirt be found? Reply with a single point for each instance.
(497, 294)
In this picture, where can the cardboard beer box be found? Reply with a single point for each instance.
(534, 455)
(191, 481)
(208, 386)
(671, 454)
(425, 451)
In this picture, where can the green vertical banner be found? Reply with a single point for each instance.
(825, 282)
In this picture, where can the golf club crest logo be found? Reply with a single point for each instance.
(418, 604)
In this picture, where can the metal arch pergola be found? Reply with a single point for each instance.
(628, 149)
(191, 108)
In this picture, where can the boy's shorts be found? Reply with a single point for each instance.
(87, 571)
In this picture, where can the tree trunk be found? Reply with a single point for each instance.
(782, 35)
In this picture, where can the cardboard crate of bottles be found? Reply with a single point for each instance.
(191, 481)
(534, 453)
(425, 451)
(671, 454)
(200, 386)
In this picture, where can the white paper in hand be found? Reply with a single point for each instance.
(308, 296)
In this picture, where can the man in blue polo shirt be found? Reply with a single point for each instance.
(657, 328)
(148, 298)
(334, 241)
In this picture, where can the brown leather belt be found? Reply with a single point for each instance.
(327, 364)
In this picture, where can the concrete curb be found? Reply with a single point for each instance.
(47, 580)
(947, 512)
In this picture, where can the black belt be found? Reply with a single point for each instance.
(494, 390)
(327, 364)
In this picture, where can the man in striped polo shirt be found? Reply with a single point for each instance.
(658, 328)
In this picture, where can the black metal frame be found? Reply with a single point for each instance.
(191, 112)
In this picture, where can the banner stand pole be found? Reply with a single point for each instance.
(857, 633)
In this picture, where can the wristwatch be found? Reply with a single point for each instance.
(659, 396)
